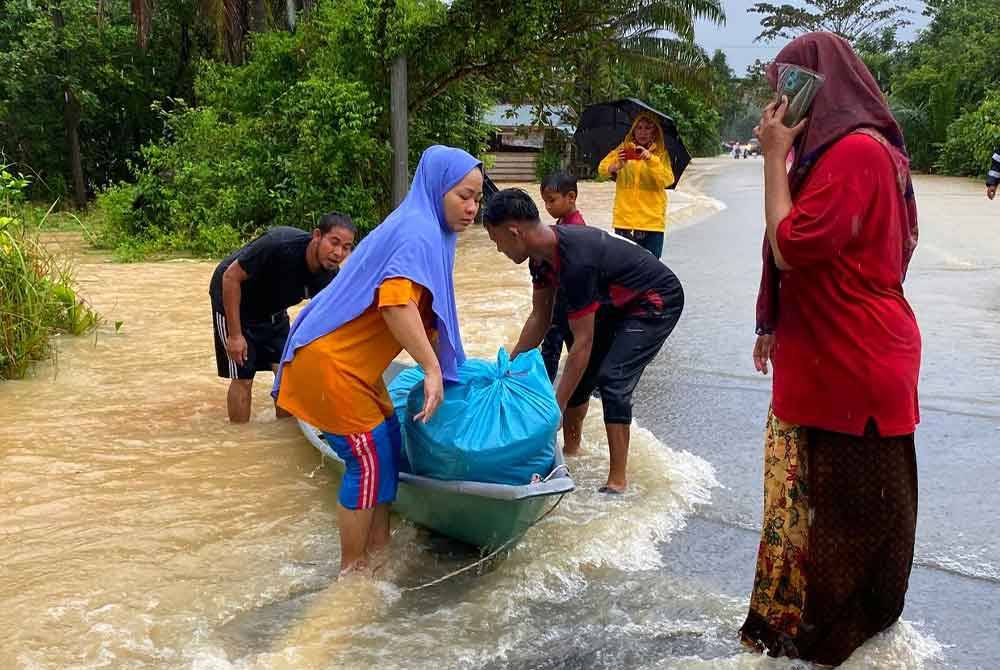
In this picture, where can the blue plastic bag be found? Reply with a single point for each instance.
(400, 387)
(497, 424)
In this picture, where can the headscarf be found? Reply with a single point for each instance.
(849, 101)
(413, 242)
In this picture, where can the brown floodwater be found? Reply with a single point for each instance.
(141, 530)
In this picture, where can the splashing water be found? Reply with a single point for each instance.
(144, 531)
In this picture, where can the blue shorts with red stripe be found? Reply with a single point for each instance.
(372, 459)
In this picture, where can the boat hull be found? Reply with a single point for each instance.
(483, 522)
(482, 514)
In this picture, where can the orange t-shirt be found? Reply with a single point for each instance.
(335, 382)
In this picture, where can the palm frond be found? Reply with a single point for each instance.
(676, 16)
(666, 59)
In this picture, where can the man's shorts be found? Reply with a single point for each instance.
(265, 343)
(372, 459)
(620, 353)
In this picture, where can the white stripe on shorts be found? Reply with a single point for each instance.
(220, 320)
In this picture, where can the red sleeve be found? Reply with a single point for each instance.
(584, 311)
(829, 210)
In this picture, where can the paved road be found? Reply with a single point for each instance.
(702, 395)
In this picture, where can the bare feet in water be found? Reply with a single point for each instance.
(354, 571)
(377, 562)
(613, 489)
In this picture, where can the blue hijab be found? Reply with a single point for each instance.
(413, 242)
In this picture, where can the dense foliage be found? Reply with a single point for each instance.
(299, 130)
(199, 126)
(944, 87)
(71, 73)
(302, 126)
(37, 294)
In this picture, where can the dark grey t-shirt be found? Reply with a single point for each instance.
(595, 270)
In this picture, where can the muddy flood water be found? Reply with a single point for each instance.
(141, 530)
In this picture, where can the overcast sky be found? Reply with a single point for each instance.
(736, 37)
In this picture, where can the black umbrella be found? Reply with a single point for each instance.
(603, 127)
(490, 189)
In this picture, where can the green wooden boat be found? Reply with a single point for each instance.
(481, 514)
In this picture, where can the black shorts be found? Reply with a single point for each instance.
(622, 349)
(265, 344)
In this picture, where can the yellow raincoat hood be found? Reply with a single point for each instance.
(640, 195)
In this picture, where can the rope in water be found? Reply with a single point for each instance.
(492, 554)
(486, 558)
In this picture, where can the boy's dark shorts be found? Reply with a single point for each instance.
(265, 343)
(622, 349)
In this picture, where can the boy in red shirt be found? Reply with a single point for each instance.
(559, 194)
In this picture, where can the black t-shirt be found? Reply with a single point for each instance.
(278, 274)
(596, 270)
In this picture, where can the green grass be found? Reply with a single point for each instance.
(38, 298)
(48, 217)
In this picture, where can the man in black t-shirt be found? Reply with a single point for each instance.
(622, 303)
(252, 289)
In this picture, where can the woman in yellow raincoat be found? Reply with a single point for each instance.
(641, 169)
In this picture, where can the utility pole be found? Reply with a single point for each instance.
(399, 131)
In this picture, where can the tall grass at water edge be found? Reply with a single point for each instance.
(38, 298)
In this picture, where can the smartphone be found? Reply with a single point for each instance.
(800, 86)
(632, 154)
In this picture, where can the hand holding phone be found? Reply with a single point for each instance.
(800, 86)
(776, 139)
(631, 153)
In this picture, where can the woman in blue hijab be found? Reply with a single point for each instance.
(395, 292)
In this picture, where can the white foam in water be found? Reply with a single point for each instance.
(491, 617)
(902, 647)
(591, 533)
(665, 487)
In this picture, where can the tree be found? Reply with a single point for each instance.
(76, 89)
(232, 21)
(854, 20)
(698, 120)
(750, 93)
(945, 74)
(534, 48)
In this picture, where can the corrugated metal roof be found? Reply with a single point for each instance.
(524, 115)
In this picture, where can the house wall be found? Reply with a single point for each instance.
(513, 166)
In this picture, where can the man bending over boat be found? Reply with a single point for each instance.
(622, 304)
(252, 289)
(396, 293)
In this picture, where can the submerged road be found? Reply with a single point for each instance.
(703, 395)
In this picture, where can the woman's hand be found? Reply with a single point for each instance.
(617, 166)
(776, 139)
(991, 191)
(433, 395)
(763, 350)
